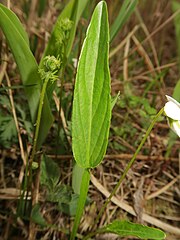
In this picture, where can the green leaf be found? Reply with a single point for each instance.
(37, 217)
(125, 228)
(92, 102)
(69, 207)
(126, 10)
(77, 178)
(41, 7)
(61, 194)
(49, 172)
(72, 11)
(10, 15)
(18, 42)
(7, 130)
(176, 92)
(114, 100)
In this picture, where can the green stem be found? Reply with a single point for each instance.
(38, 122)
(28, 181)
(128, 166)
(41, 102)
(81, 202)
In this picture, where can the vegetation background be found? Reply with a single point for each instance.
(144, 68)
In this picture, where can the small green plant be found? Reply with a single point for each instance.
(91, 117)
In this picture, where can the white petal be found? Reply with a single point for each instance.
(172, 110)
(170, 99)
(176, 127)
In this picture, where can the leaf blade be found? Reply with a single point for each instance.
(17, 40)
(125, 12)
(92, 103)
(125, 228)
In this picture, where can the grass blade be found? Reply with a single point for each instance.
(72, 11)
(19, 44)
(126, 10)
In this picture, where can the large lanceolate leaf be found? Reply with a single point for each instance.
(19, 44)
(92, 102)
(125, 228)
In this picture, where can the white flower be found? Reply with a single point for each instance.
(172, 111)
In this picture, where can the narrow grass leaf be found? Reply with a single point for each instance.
(92, 102)
(42, 5)
(127, 9)
(125, 228)
(19, 44)
(13, 18)
(72, 11)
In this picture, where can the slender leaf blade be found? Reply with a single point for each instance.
(72, 11)
(125, 228)
(92, 102)
(17, 40)
(10, 15)
(126, 10)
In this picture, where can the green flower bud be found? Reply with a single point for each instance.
(51, 63)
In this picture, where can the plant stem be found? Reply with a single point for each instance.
(81, 202)
(128, 166)
(41, 102)
(32, 231)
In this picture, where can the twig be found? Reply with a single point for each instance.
(123, 42)
(143, 54)
(160, 191)
(125, 68)
(63, 119)
(23, 155)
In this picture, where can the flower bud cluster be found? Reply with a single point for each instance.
(51, 67)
